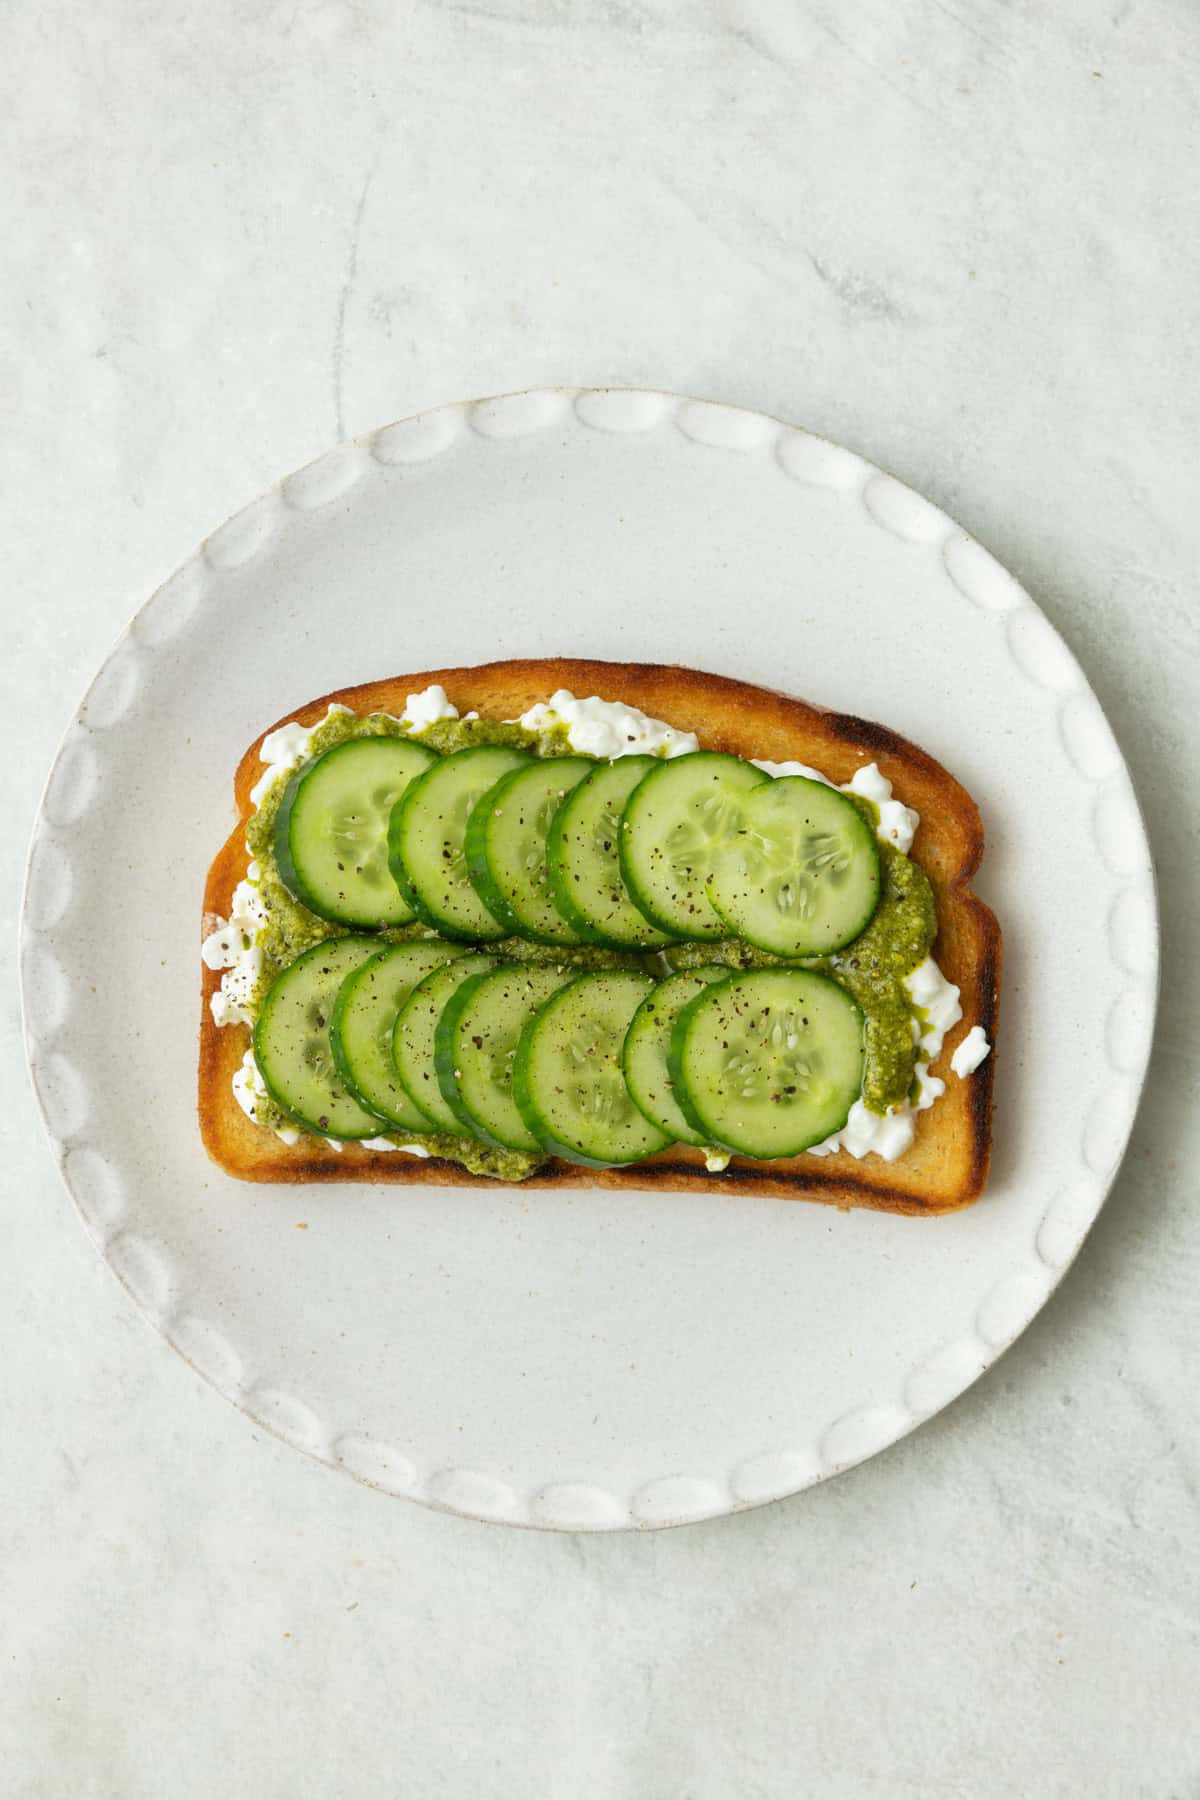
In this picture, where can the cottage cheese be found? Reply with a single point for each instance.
(606, 729)
(897, 823)
(973, 1050)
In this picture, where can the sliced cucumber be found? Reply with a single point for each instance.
(291, 1040)
(331, 830)
(506, 847)
(676, 821)
(414, 1039)
(801, 878)
(769, 1062)
(364, 1019)
(426, 840)
(583, 858)
(567, 1079)
(476, 1042)
(644, 1058)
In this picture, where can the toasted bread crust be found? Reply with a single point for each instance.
(947, 1165)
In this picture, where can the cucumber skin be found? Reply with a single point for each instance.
(646, 907)
(701, 1141)
(290, 875)
(679, 1088)
(343, 1066)
(561, 887)
(679, 1085)
(479, 869)
(263, 1016)
(869, 843)
(434, 920)
(443, 1056)
(335, 1042)
(434, 1124)
(474, 847)
(528, 1108)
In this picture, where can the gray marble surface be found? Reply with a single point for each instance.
(960, 238)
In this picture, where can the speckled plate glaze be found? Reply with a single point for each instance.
(586, 1360)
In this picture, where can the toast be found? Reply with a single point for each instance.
(946, 1166)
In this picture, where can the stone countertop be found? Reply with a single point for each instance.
(960, 239)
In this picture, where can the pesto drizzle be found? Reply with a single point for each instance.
(871, 969)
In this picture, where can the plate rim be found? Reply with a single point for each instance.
(1047, 662)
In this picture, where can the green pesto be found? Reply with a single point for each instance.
(291, 928)
(574, 956)
(461, 734)
(872, 968)
(265, 1112)
(479, 1159)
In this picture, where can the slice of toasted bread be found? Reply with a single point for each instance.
(945, 1168)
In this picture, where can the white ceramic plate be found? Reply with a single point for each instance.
(583, 1360)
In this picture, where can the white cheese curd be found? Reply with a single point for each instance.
(791, 768)
(938, 1000)
(222, 947)
(607, 728)
(233, 1002)
(889, 1134)
(897, 823)
(382, 1143)
(232, 947)
(427, 708)
(283, 750)
(973, 1050)
(866, 1133)
(250, 1092)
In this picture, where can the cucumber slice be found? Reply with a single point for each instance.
(583, 859)
(426, 840)
(802, 876)
(414, 1039)
(506, 847)
(291, 1040)
(567, 1079)
(644, 1058)
(769, 1062)
(331, 830)
(476, 1042)
(676, 821)
(364, 1018)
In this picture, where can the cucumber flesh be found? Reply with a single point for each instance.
(567, 1079)
(426, 841)
(644, 1058)
(506, 847)
(364, 1018)
(414, 1039)
(676, 823)
(292, 1042)
(476, 1044)
(801, 878)
(768, 1063)
(331, 830)
(584, 863)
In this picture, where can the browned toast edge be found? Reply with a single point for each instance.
(947, 1165)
